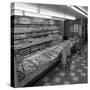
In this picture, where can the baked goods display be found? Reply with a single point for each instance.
(32, 36)
(32, 30)
(30, 65)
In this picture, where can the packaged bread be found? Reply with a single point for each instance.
(35, 62)
(27, 65)
(19, 67)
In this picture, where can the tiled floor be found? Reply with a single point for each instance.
(76, 75)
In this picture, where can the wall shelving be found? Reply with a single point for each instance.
(31, 38)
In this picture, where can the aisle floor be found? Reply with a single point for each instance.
(76, 75)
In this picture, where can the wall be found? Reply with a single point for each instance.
(82, 28)
(69, 27)
(61, 26)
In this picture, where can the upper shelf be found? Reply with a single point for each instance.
(24, 32)
(31, 44)
(25, 20)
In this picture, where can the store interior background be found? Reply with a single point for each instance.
(65, 15)
(65, 18)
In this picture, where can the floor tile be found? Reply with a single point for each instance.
(66, 82)
(83, 74)
(84, 61)
(85, 67)
(57, 79)
(73, 62)
(61, 74)
(47, 84)
(72, 74)
(80, 70)
(72, 67)
(82, 64)
(56, 69)
(77, 60)
(75, 79)
(45, 79)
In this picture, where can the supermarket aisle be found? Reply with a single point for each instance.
(76, 75)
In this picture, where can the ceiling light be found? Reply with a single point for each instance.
(25, 7)
(36, 15)
(56, 15)
(51, 13)
(74, 8)
(69, 17)
(58, 18)
(83, 9)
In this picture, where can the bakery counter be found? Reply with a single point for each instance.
(32, 68)
(41, 71)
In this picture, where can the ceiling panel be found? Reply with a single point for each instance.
(59, 9)
(63, 9)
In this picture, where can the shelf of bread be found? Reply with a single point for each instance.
(35, 42)
(33, 35)
(32, 20)
(33, 28)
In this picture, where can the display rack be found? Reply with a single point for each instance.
(30, 35)
(32, 32)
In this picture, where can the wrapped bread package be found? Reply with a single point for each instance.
(35, 62)
(19, 67)
(27, 65)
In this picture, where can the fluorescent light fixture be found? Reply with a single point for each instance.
(56, 15)
(83, 9)
(26, 7)
(69, 17)
(36, 15)
(74, 8)
(51, 13)
(33, 11)
(58, 18)
(20, 12)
